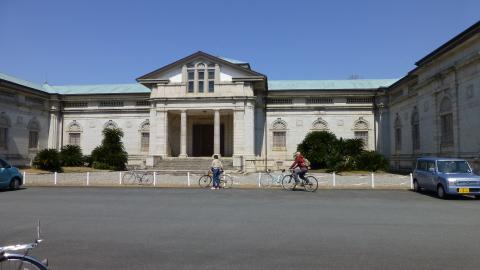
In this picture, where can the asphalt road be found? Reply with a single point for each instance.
(130, 228)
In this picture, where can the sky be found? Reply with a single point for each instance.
(69, 42)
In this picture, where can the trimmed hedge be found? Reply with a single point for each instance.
(71, 155)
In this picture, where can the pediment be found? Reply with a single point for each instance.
(173, 73)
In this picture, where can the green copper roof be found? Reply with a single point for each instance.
(22, 82)
(101, 89)
(327, 84)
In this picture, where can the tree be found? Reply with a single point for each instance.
(48, 159)
(317, 148)
(111, 154)
(71, 155)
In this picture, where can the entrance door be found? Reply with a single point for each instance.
(203, 140)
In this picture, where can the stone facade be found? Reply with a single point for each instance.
(203, 105)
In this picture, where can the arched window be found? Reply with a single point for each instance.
(415, 121)
(320, 125)
(446, 122)
(360, 131)
(74, 131)
(279, 132)
(33, 133)
(398, 133)
(144, 136)
(201, 77)
(110, 124)
(4, 126)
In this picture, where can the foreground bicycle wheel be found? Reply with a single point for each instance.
(129, 178)
(311, 184)
(266, 180)
(288, 182)
(227, 181)
(20, 262)
(204, 181)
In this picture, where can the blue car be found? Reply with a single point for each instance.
(10, 177)
(446, 176)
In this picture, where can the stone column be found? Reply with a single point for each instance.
(183, 134)
(249, 139)
(216, 133)
(53, 131)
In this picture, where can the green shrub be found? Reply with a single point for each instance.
(87, 161)
(48, 159)
(71, 155)
(317, 147)
(111, 153)
(371, 161)
(325, 151)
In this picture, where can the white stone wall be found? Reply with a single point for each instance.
(92, 125)
(455, 75)
(16, 105)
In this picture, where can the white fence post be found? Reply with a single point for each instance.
(154, 178)
(334, 182)
(55, 178)
(373, 180)
(88, 178)
(259, 178)
(24, 177)
(188, 178)
(411, 181)
(120, 178)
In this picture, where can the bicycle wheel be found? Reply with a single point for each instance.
(204, 181)
(147, 178)
(20, 262)
(266, 180)
(311, 184)
(129, 178)
(227, 181)
(288, 182)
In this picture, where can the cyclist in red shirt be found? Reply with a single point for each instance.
(299, 168)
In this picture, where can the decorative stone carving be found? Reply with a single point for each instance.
(320, 124)
(279, 124)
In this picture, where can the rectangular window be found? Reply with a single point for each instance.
(211, 86)
(74, 139)
(200, 86)
(362, 135)
(201, 75)
(398, 139)
(33, 140)
(446, 129)
(145, 142)
(191, 75)
(191, 81)
(211, 75)
(190, 87)
(279, 140)
(3, 138)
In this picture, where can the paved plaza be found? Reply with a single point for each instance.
(164, 228)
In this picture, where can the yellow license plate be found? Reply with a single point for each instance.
(463, 190)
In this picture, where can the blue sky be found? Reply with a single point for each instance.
(90, 42)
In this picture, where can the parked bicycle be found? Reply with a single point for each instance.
(268, 179)
(310, 183)
(16, 261)
(137, 178)
(226, 180)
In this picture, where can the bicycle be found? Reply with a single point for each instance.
(137, 177)
(226, 180)
(310, 183)
(268, 179)
(17, 261)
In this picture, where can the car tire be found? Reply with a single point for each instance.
(416, 186)
(441, 192)
(15, 184)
